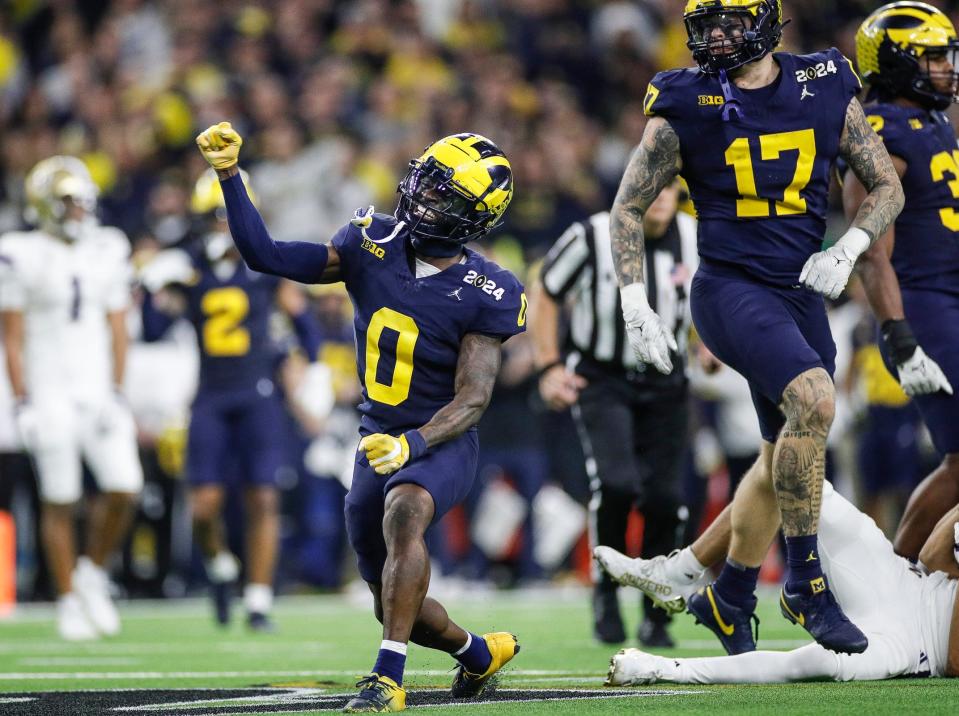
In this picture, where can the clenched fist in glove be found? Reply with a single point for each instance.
(220, 145)
(826, 272)
(387, 454)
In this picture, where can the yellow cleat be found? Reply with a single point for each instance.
(502, 646)
(378, 694)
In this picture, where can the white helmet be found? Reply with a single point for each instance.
(49, 184)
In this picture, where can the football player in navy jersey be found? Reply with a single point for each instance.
(907, 52)
(429, 318)
(237, 417)
(755, 135)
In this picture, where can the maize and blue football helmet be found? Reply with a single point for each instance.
(894, 48)
(726, 34)
(454, 193)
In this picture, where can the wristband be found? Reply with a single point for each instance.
(898, 337)
(546, 368)
(416, 443)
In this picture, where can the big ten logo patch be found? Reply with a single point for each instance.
(378, 251)
(711, 99)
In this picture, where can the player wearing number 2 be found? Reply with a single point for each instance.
(755, 135)
(430, 316)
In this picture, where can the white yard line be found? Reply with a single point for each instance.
(94, 676)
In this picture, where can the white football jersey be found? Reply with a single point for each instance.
(65, 291)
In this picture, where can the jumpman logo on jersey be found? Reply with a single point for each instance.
(806, 93)
(812, 556)
(456, 294)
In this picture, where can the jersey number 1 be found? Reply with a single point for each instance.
(771, 146)
(398, 389)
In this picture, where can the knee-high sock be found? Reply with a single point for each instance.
(757, 667)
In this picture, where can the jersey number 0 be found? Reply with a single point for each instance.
(398, 389)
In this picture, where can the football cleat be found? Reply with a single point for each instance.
(92, 587)
(655, 635)
(633, 667)
(607, 622)
(651, 577)
(73, 624)
(731, 624)
(502, 647)
(820, 614)
(261, 623)
(222, 594)
(378, 694)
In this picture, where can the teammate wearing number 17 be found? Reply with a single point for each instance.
(429, 316)
(755, 134)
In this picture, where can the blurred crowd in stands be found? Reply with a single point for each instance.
(333, 97)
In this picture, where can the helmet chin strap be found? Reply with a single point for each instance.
(436, 249)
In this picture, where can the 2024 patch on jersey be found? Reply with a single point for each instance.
(758, 161)
(408, 329)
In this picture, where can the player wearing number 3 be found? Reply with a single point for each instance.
(430, 316)
(755, 135)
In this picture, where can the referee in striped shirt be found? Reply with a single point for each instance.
(631, 418)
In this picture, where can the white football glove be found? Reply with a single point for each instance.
(826, 272)
(921, 375)
(648, 336)
(28, 423)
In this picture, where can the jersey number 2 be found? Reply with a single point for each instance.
(398, 389)
(738, 156)
(225, 309)
(947, 163)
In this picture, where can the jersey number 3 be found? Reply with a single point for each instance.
(225, 309)
(947, 163)
(771, 146)
(398, 389)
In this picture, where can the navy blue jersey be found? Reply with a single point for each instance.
(760, 180)
(926, 254)
(408, 330)
(231, 317)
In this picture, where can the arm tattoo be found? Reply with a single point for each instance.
(869, 160)
(476, 372)
(799, 463)
(654, 164)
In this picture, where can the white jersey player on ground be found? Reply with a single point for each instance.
(905, 612)
(64, 292)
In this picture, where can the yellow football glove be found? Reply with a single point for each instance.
(387, 454)
(220, 145)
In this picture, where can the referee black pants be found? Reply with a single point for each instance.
(634, 440)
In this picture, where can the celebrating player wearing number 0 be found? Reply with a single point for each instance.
(755, 135)
(430, 316)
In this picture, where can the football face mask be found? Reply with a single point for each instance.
(454, 193)
(726, 34)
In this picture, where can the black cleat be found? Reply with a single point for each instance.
(607, 623)
(261, 623)
(222, 593)
(820, 614)
(731, 624)
(655, 634)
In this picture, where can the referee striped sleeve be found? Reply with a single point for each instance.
(565, 261)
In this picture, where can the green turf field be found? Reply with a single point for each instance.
(325, 642)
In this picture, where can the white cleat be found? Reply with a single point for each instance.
(632, 667)
(73, 624)
(651, 577)
(92, 587)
